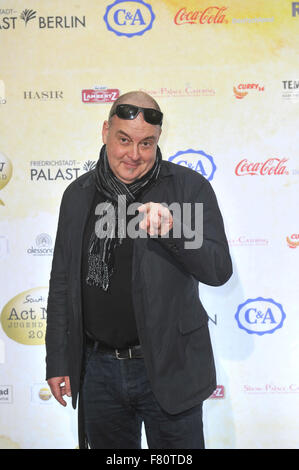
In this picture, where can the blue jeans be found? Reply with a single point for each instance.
(117, 398)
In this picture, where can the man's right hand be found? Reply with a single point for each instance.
(60, 386)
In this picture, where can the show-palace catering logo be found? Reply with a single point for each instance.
(242, 90)
(209, 15)
(9, 18)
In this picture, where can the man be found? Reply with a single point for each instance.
(126, 331)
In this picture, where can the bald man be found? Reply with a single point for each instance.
(126, 331)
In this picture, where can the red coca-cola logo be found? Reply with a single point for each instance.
(272, 166)
(99, 96)
(210, 15)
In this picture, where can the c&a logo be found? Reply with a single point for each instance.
(260, 316)
(129, 18)
(197, 160)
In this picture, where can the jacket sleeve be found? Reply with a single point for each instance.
(210, 262)
(57, 318)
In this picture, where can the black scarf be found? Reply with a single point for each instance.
(101, 249)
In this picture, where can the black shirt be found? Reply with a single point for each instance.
(109, 316)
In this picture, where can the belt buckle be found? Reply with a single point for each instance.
(117, 354)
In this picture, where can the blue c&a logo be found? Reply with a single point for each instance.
(129, 18)
(260, 316)
(197, 160)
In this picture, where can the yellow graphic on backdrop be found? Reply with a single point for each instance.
(24, 317)
(5, 172)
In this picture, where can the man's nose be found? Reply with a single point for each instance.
(133, 152)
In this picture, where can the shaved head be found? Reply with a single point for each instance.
(138, 98)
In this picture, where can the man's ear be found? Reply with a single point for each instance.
(105, 130)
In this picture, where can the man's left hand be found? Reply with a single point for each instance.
(157, 219)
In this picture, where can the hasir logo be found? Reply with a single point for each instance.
(129, 18)
(197, 160)
(272, 166)
(260, 316)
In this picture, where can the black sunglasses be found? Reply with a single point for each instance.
(129, 111)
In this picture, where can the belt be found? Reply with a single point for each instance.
(124, 353)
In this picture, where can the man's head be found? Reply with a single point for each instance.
(131, 143)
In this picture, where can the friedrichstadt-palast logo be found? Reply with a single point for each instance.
(5, 172)
(129, 18)
(9, 19)
(59, 170)
(197, 160)
(260, 316)
(24, 317)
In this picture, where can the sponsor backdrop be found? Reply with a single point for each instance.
(226, 76)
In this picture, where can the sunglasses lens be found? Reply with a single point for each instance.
(126, 111)
(152, 116)
(129, 111)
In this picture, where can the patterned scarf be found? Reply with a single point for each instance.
(101, 249)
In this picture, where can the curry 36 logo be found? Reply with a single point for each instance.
(5, 172)
(293, 240)
(260, 316)
(242, 90)
(197, 160)
(129, 18)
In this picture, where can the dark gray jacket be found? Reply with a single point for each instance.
(171, 321)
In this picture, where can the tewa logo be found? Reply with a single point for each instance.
(197, 160)
(129, 18)
(260, 316)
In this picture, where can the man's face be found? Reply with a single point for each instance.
(131, 146)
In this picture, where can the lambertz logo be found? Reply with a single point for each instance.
(129, 18)
(260, 316)
(197, 160)
(100, 95)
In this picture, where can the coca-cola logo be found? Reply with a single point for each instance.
(272, 166)
(210, 15)
(293, 240)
